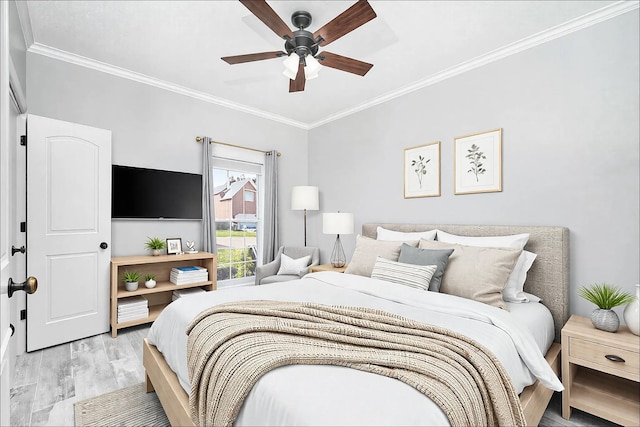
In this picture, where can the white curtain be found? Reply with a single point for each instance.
(271, 235)
(208, 214)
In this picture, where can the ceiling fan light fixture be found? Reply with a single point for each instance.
(291, 65)
(312, 67)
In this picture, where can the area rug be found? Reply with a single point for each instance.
(130, 406)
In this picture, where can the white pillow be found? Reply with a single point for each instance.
(414, 276)
(401, 236)
(289, 265)
(513, 291)
(514, 241)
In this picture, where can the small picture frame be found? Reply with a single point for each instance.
(422, 171)
(477, 165)
(174, 246)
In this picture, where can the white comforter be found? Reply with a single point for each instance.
(333, 395)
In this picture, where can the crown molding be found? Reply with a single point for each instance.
(82, 61)
(592, 18)
(25, 22)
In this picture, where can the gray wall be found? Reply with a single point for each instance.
(155, 128)
(569, 113)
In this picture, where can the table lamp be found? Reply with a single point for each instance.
(337, 223)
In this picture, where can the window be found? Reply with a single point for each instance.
(238, 218)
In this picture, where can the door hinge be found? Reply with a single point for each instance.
(23, 227)
(23, 140)
(23, 314)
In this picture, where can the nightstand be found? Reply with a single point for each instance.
(600, 372)
(327, 267)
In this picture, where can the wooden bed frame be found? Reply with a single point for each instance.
(548, 279)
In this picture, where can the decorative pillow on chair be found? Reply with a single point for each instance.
(366, 252)
(289, 265)
(414, 276)
(418, 256)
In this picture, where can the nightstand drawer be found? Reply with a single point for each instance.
(596, 353)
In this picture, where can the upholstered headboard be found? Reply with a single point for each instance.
(548, 278)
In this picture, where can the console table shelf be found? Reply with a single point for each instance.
(159, 296)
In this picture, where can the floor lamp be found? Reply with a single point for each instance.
(337, 223)
(304, 198)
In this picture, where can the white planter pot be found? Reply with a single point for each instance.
(131, 286)
(150, 283)
(632, 314)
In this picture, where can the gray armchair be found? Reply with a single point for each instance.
(268, 273)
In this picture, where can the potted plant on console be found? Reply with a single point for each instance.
(155, 245)
(606, 297)
(130, 279)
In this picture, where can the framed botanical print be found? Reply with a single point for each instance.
(477, 166)
(422, 171)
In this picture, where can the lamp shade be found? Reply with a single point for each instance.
(337, 223)
(304, 197)
(311, 68)
(291, 63)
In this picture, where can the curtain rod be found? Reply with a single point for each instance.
(199, 139)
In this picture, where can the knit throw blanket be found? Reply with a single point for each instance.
(232, 345)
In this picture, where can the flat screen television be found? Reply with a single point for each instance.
(138, 193)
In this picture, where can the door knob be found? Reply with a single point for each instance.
(29, 286)
(104, 245)
(14, 250)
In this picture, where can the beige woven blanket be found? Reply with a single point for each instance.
(232, 345)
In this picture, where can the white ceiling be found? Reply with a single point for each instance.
(178, 45)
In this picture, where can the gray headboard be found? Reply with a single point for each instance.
(548, 278)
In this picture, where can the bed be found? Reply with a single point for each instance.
(548, 279)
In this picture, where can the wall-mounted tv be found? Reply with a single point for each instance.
(138, 193)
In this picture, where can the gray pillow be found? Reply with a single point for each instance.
(417, 256)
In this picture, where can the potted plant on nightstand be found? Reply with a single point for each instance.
(155, 245)
(606, 297)
(150, 280)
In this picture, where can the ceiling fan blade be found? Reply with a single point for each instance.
(239, 59)
(357, 15)
(297, 85)
(344, 63)
(266, 14)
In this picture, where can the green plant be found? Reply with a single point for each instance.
(154, 243)
(605, 296)
(148, 277)
(131, 276)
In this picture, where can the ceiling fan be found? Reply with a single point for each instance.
(302, 46)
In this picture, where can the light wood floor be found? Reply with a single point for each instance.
(48, 382)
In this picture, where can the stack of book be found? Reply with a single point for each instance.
(179, 293)
(190, 274)
(132, 308)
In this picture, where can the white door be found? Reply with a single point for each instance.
(68, 230)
